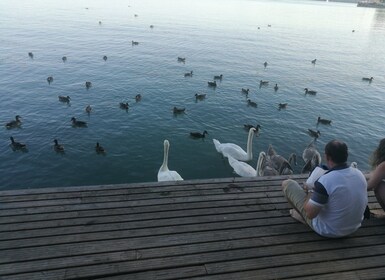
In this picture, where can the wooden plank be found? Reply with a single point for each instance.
(278, 246)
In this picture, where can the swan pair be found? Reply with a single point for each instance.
(164, 174)
(263, 168)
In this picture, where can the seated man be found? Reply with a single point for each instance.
(336, 206)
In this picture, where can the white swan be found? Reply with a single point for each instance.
(233, 150)
(311, 157)
(242, 168)
(164, 174)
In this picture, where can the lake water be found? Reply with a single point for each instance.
(229, 37)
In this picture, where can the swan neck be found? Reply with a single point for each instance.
(165, 157)
(250, 144)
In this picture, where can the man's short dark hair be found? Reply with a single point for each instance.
(337, 151)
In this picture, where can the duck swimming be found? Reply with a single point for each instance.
(105, 58)
(15, 123)
(17, 145)
(99, 149)
(57, 147)
(135, 43)
(88, 85)
(251, 103)
(218, 77)
(263, 83)
(368, 79)
(276, 87)
(189, 74)
(65, 99)
(181, 59)
(212, 84)
(314, 133)
(323, 121)
(77, 123)
(245, 90)
(64, 58)
(198, 134)
(30, 54)
(138, 97)
(307, 91)
(50, 80)
(200, 96)
(123, 106)
(177, 110)
(314, 61)
(282, 106)
(265, 64)
(88, 109)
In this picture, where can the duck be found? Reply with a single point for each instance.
(218, 77)
(65, 99)
(64, 58)
(164, 174)
(123, 106)
(50, 80)
(99, 149)
(311, 157)
(30, 54)
(257, 128)
(307, 91)
(100, 22)
(265, 64)
(138, 97)
(230, 149)
(245, 90)
(17, 145)
(181, 59)
(177, 110)
(368, 79)
(276, 87)
(251, 103)
(314, 133)
(14, 123)
(78, 123)
(151, 26)
(278, 162)
(263, 83)
(88, 109)
(57, 147)
(200, 96)
(323, 121)
(212, 84)
(198, 134)
(282, 106)
(88, 85)
(135, 43)
(189, 74)
(105, 58)
(314, 61)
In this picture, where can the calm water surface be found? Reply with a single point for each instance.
(216, 37)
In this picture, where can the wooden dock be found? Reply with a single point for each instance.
(235, 228)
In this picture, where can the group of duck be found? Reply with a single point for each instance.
(59, 148)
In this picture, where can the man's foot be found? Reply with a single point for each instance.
(296, 216)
